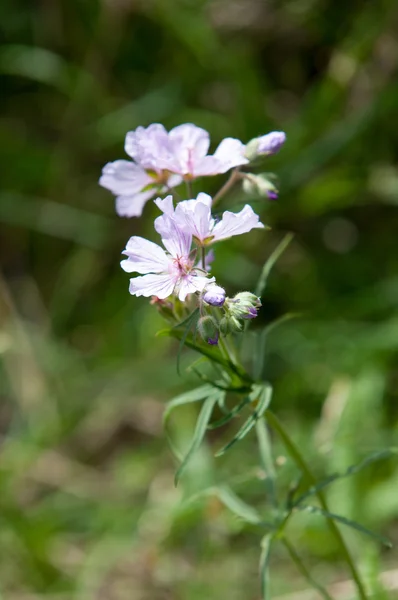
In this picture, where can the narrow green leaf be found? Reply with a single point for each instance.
(266, 543)
(200, 430)
(235, 504)
(263, 393)
(238, 506)
(264, 446)
(352, 470)
(345, 521)
(194, 395)
(281, 247)
(230, 415)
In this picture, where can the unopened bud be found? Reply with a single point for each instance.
(265, 145)
(208, 329)
(229, 324)
(244, 305)
(259, 185)
(271, 142)
(214, 295)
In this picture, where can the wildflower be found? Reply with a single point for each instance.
(163, 273)
(214, 295)
(194, 217)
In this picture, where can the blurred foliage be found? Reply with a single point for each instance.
(88, 508)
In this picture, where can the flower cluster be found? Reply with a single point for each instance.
(178, 271)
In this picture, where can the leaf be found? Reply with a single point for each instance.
(345, 521)
(200, 430)
(194, 395)
(352, 470)
(235, 504)
(264, 446)
(230, 415)
(281, 247)
(266, 543)
(264, 393)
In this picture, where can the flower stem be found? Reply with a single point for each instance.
(298, 458)
(189, 188)
(203, 252)
(233, 178)
(304, 571)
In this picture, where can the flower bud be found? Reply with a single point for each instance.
(271, 142)
(244, 305)
(208, 329)
(265, 145)
(229, 324)
(260, 186)
(214, 295)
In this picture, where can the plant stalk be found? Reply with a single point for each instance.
(299, 460)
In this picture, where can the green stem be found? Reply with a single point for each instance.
(304, 571)
(189, 188)
(203, 252)
(233, 178)
(298, 458)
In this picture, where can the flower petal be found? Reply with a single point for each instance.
(132, 206)
(236, 223)
(123, 177)
(195, 216)
(190, 144)
(175, 239)
(151, 148)
(230, 153)
(166, 205)
(193, 283)
(144, 257)
(161, 286)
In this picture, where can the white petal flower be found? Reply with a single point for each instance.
(164, 273)
(194, 217)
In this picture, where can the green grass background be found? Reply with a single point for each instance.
(88, 508)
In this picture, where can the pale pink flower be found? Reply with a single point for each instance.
(135, 182)
(194, 217)
(161, 159)
(164, 273)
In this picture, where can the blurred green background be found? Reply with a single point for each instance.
(88, 508)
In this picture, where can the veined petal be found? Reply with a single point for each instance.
(193, 283)
(166, 205)
(195, 216)
(132, 205)
(144, 257)
(151, 148)
(230, 153)
(123, 177)
(161, 286)
(175, 239)
(236, 223)
(190, 143)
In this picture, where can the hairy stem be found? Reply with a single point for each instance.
(299, 460)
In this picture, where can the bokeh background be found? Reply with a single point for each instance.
(88, 508)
